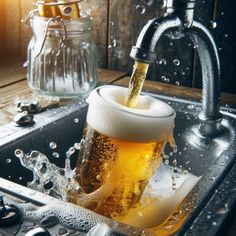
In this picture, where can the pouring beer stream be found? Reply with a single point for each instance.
(136, 83)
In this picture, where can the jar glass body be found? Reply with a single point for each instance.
(62, 57)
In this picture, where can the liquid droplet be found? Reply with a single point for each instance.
(165, 79)
(53, 145)
(77, 146)
(76, 120)
(162, 62)
(140, 9)
(55, 154)
(8, 160)
(176, 62)
(114, 43)
(70, 152)
(19, 153)
(213, 24)
(191, 107)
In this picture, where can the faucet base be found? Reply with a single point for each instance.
(209, 127)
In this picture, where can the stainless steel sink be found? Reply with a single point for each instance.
(213, 159)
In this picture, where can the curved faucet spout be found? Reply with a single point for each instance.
(210, 65)
(178, 21)
(144, 50)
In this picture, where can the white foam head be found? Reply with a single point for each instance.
(149, 121)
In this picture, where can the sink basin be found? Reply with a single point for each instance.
(211, 159)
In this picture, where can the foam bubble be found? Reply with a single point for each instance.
(149, 121)
(71, 216)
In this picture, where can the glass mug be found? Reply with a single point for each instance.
(121, 148)
(62, 57)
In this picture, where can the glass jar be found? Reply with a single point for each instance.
(62, 57)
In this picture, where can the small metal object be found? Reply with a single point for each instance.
(30, 106)
(9, 214)
(24, 119)
(63, 37)
(38, 232)
(29, 16)
(67, 10)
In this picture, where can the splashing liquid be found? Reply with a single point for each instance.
(158, 201)
(136, 83)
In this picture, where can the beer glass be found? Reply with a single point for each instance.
(121, 148)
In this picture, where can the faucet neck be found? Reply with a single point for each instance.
(184, 9)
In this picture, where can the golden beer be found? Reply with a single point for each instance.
(121, 149)
(136, 83)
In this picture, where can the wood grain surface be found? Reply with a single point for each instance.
(178, 91)
(14, 87)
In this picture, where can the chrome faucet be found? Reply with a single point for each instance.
(177, 22)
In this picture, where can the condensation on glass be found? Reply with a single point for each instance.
(62, 57)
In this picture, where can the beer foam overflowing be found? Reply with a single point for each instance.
(151, 120)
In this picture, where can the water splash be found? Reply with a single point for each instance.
(47, 177)
(164, 188)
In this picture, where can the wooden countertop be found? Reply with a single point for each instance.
(14, 87)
